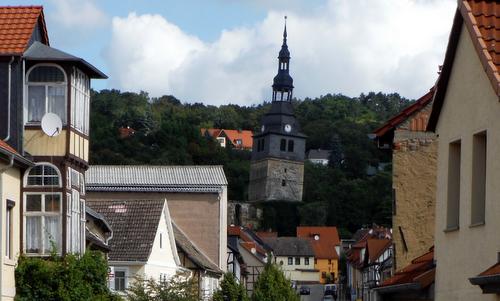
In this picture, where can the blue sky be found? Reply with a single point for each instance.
(224, 51)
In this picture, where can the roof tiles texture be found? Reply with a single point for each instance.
(134, 224)
(376, 247)
(324, 245)
(5, 146)
(245, 136)
(16, 27)
(290, 246)
(152, 178)
(421, 270)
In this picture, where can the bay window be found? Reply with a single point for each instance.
(80, 101)
(46, 93)
(42, 214)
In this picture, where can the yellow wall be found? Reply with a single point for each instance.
(79, 146)
(470, 106)
(323, 266)
(10, 185)
(38, 144)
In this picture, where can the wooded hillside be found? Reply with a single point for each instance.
(168, 132)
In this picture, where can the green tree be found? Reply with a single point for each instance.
(180, 287)
(230, 290)
(272, 285)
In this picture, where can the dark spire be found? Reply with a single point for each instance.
(283, 82)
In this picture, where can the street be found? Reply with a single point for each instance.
(316, 293)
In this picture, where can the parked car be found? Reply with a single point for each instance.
(328, 298)
(305, 290)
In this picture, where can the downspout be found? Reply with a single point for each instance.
(9, 98)
(2, 170)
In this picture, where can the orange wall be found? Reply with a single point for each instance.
(323, 265)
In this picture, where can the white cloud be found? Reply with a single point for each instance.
(343, 46)
(75, 14)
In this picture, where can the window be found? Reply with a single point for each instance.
(478, 178)
(8, 228)
(80, 101)
(120, 281)
(163, 277)
(46, 90)
(306, 261)
(290, 261)
(43, 175)
(75, 225)
(323, 274)
(283, 182)
(42, 214)
(297, 260)
(290, 145)
(161, 240)
(283, 145)
(453, 202)
(238, 141)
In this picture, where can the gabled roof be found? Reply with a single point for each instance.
(250, 241)
(405, 113)
(324, 246)
(232, 135)
(319, 154)
(375, 248)
(151, 178)
(193, 252)
(7, 150)
(134, 224)
(482, 20)
(41, 52)
(290, 246)
(17, 24)
(419, 274)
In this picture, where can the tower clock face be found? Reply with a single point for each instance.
(288, 128)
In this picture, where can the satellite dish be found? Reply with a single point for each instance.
(51, 125)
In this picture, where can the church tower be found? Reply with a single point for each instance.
(277, 166)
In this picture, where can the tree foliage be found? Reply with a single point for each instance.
(230, 290)
(63, 278)
(272, 285)
(180, 287)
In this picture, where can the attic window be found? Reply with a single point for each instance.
(46, 91)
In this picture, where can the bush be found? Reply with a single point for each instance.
(230, 290)
(272, 285)
(180, 287)
(63, 278)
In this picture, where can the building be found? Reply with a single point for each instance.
(326, 245)
(253, 251)
(98, 231)
(465, 116)
(143, 243)
(295, 256)
(42, 178)
(196, 195)
(236, 139)
(204, 271)
(12, 169)
(277, 164)
(319, 156)
(414, 164)
(413, 282)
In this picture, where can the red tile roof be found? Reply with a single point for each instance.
(7, 147)
(405, 113)
(324, 246)
(232, 136)
(482, 20)
(376, 247)
(16, 27)
(493, 270)
(421, 270)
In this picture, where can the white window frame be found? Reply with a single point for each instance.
(80, 101)
(120, 269)
(9, 234)
(43, 214)
(27, 83)
(25, 178)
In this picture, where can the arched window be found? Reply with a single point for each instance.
(46, 91)
(43, 175)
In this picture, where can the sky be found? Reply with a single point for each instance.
(225, 51)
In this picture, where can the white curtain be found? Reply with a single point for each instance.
(57, 101)
(33, 234)
(51, 233)
(36, 103)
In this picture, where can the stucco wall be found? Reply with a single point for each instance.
(414, 182)
(328, 266)
(301, 272)
(470, 106)
(10, 183)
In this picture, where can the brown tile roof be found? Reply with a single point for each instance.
(421, 270)
(493, 270)
(405, 113)
(482, 20)
(134, 224)
(16, 27)
(324, 246)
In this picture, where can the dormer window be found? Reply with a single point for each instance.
(46, 92)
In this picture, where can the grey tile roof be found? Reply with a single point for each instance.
(192, 252)
(318, 154)
(155, 178)
(290, 246)
(134, 224)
